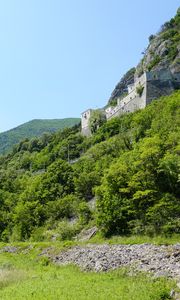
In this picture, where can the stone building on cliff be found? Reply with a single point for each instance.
(149, 86)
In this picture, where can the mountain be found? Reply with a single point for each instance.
(33, 129)
(163, 51)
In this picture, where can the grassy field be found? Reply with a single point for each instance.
(28, 275)
(136, 239)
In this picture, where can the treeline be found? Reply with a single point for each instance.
(129, 166)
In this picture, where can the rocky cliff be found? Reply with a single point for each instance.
(162, 52)
(121, 88)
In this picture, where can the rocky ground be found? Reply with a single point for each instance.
(159, 260)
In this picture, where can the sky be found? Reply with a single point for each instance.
(61, 57)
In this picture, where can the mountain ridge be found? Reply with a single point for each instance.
(31, 129)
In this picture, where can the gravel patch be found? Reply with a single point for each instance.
(159, 260)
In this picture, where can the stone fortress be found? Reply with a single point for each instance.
(149, 86)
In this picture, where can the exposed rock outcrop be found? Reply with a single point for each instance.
(163, 52)
(121, 87)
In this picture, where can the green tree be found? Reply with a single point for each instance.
(97, 119)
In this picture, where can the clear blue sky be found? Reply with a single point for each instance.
(59, 57)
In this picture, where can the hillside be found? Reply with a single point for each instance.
(129, 167)
(31, 129)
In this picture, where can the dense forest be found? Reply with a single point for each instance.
(124, 178)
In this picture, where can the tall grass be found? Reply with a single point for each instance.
(7, 277)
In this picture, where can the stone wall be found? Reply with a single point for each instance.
(133, 91)
(161, 75)
(176, 77)
(85, 116)
(161, 83)
(131, 106)
(86, 131)
(156, 89)
(132, 101)
(155, 84)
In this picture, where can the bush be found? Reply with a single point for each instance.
(85, 213)
(66, 230)
(97, 119)
(151, 37)
(38, 235)
(65, 207)
(172, 53)
(139, 90)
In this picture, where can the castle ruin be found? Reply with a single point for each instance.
(149, 86)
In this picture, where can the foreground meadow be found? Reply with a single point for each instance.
(28, 275)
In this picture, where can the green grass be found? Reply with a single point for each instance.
(26, 275)
(136, 239)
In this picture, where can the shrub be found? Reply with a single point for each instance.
(97, 119)
(154, 62)
(139, 90)
(151, 37)
(172, 53)
(85, 213)
(66, 230)
(38, 235)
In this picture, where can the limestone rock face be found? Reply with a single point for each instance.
(121, 87)
(157, 57)
(163, 52)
